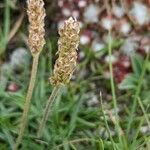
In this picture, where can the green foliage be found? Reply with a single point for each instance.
(131, 80)
(71, 125)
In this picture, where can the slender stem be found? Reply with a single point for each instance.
(6, 20)
(47, 110)
(113, 86)
(144, 111)
(106, 123)
(27, 101)
(138, 89)
(76, 141)
(6, 28)
(139, 127)
(111, 74)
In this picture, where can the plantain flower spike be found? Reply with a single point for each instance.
(67, 50)
(36, 15)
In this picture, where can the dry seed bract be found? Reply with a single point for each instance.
(67, 46)
(36, 15)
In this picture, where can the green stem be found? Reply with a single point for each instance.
(47, 110)
(138, 89)
(113, 86)
(144, 111)
(106, 123)
(76, 141)
(6, 28)
(27, 101)
(138, 128)
(111, 76)
(6, 20)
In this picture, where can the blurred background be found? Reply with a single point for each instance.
(77, 121)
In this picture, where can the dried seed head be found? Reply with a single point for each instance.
(67, 46)
(36, 15)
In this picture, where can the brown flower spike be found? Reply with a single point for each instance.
(36, 15)
(67, 46)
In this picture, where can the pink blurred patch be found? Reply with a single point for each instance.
(13, 87)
